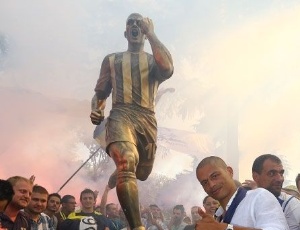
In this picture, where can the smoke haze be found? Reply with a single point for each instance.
(245, 50)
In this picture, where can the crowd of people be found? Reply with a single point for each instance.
(133, 78)
(260, 203)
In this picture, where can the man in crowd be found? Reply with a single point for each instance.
(112, 213)
(154, 219)
(195, 217)
(133, 78)
(111, 210)
(6, 194)
(86, 218)
(268, 173)
(195, 214)
(68, 205)
(176, 222)
(36, 207)
(52, 207)
(241, 209)
(13, 217)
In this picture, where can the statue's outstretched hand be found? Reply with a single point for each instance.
(97, 116)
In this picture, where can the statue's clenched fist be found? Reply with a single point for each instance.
(97, 116)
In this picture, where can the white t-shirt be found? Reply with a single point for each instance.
(291, 209)
(259, 209)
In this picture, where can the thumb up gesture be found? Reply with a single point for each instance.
(208, 222)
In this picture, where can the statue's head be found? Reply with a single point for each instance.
(133, 31)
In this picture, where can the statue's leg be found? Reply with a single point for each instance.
(146, 162)
(126, 158)
(144, 169)
(112, 180)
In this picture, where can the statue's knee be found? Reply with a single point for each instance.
(124, 176)
(143, 177)
(127, 163)
(124, 157)
(143, 172)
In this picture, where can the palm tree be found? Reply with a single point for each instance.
(217, 116)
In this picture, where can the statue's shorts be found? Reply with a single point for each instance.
(129, 123)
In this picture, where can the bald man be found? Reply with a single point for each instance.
(241, 209)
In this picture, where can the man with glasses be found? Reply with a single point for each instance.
(133, 78)
(68, 205)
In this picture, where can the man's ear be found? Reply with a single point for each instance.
(230, 170)
(255, 176)
(125, 34)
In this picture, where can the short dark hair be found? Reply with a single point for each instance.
(205, 199)
(212, 160)
(39, 189)
(297, 180)
(54, 194)
(179, 207)
(6, 190)
(66, 198)
(88, 191)
(259, 161)
(107, 207)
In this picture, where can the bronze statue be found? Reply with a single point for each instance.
(133, 77)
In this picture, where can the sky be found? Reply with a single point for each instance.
(247, 49)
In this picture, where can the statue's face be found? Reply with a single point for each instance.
(133, 31)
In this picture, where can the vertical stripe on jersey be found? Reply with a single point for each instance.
(155, 92)
(144, 73)
(136, 78)
(127, 82)
(113, 76)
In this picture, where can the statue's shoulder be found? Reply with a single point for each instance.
(110, 55)
(114, 55)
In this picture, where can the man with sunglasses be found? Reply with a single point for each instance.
(133, 78)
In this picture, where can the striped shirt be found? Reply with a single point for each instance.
(43, 223)
(133, 78)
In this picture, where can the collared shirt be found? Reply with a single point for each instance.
(291, 208)
(22, 222)
(43, 223)
(259, 209)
